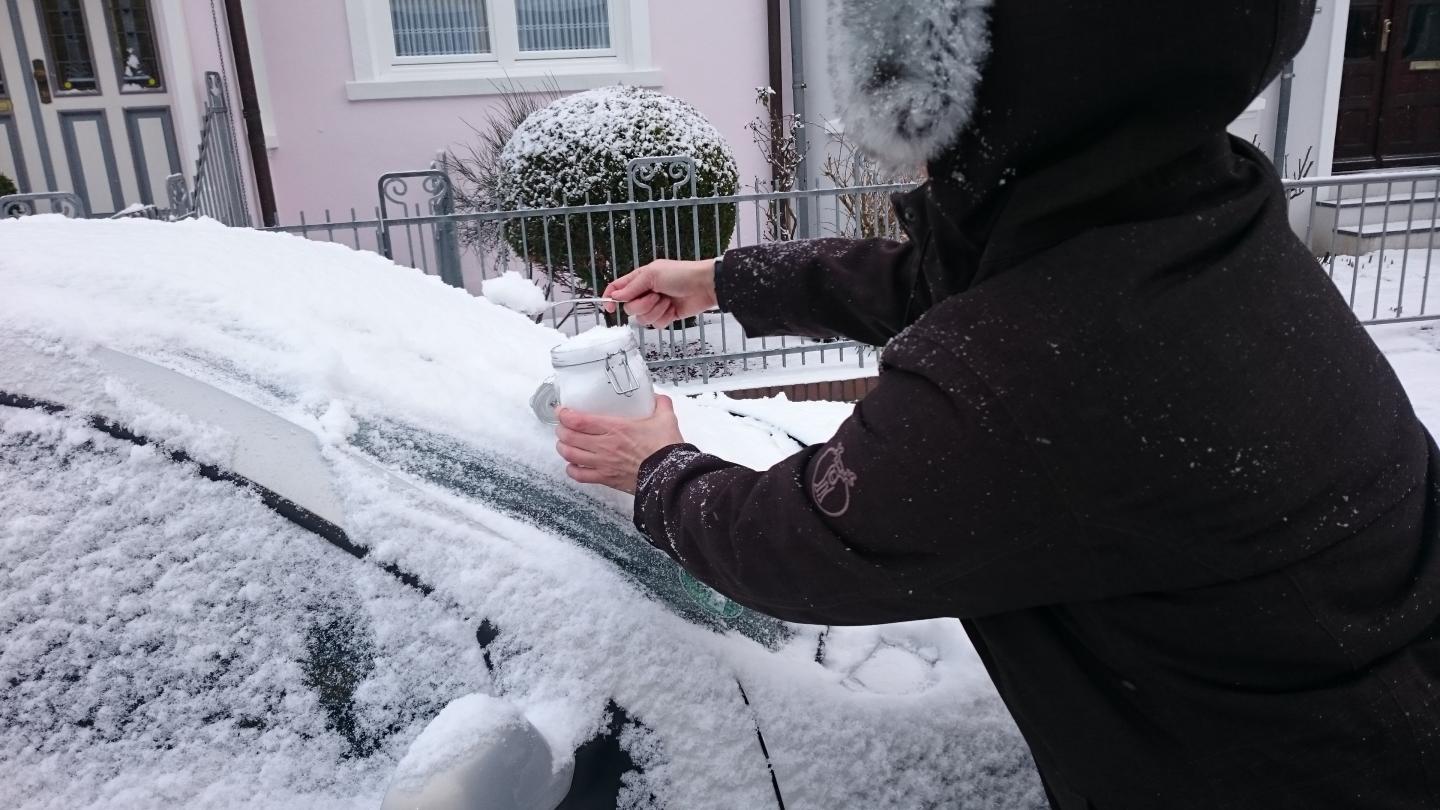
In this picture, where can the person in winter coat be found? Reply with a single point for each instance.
(1125, 429)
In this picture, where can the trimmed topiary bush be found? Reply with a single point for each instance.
(576, 151)
(7, 186)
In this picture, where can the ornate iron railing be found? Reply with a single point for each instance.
(219, 188)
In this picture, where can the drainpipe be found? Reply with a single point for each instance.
(250, 111)
(774, 25)
(802, 138)
(1282, 116)
(777, 71)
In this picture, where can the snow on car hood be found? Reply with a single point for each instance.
(371, 357)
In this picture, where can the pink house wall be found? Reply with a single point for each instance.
(329, 150)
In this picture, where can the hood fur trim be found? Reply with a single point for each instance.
(906, 73)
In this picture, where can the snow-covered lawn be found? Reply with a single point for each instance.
(169, 641)
(1414, 352)
(1389, 283)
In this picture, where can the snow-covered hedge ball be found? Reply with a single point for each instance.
(576, 150)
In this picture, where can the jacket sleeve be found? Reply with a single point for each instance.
(861, 289)
(927, 502)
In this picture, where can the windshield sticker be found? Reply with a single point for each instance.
(708, 598)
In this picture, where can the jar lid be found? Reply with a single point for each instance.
(593, 346)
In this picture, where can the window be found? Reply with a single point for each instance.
(1422, 44)
(133, 33)
(439, 27)
(67, 41)
(563, 25)
(413, 48)
(1363, 35)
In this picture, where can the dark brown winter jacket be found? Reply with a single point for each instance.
(1126, 429)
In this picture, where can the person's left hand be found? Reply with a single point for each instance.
(609, 450)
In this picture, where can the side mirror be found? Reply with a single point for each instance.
(479, 752)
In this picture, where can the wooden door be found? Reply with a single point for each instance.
(1409, 132)
(88, 102)
(1390, 90)
(1362, 85)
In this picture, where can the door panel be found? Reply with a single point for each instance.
(152, 134)
(1410, 116)
(90, 158)
(97, 103)
(1362, 82)
(22, 145)
(12, 155)
(65, 37)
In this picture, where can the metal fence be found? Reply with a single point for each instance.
(64, 203)
(219, 189)
(1378, 237)
(573, 251)
(1375, 235)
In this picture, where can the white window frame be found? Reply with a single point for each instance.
(380, 74)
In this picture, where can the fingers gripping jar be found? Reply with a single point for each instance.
(601, 372)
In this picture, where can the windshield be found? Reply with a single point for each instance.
(159, 623)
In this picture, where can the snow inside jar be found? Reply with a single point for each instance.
(601, 372)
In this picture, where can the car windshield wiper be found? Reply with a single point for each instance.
(522, 492)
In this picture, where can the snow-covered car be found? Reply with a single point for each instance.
(279, 529)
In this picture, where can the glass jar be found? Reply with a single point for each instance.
(600, 372)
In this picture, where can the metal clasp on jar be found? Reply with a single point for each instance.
(622, 378)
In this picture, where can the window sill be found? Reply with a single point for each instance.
(497, 83)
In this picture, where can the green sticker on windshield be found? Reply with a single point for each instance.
(707, 597)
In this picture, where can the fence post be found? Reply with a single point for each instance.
(393, 189)
(177, 194)
(447, 242)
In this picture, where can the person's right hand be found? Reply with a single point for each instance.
(665, 291)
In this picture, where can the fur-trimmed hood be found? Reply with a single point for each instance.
(1038, 121)
(906, 73)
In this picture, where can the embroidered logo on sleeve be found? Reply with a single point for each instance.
(831, 481)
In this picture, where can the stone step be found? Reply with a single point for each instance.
(1397, 210)
(1359, 240)
(1377, 229)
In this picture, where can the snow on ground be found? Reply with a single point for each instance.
(340, 342)
(1389, 283)
(1414, 352)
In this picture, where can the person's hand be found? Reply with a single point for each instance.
(665, 291)
(609, 450)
